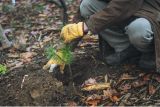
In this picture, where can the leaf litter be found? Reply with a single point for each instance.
(33, 26)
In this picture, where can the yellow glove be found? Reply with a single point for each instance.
(56, 61)
(72, 31)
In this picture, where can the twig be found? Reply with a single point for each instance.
(24, 77)
(70, 71)
(143, 89)
(124, 98)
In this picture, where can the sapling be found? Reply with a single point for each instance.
(60, 57)
(66, 54)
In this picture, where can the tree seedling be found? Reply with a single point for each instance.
(59, 57)
(66, 57)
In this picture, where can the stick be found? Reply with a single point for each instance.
(23, 80)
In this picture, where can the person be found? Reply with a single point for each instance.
(130, 27)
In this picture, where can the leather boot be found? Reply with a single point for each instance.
(118, 57)
(105, 48)
(147, 61)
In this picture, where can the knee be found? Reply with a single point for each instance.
(85, 8)
(140, 32)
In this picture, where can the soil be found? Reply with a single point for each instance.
(42, 88)
(30, 85)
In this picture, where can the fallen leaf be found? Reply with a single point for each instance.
(111, 94)
(71, 104)
(27, 56)
(89, 82)
(125, 76)
(107, 93)
(157, 78)
(139, 83)
(98, 86)
(152, 89)
(114, 98)
(93, 100)
(125, 87)
(147, 77)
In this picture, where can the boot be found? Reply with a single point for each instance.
(105, 49)
(118, 57)
(5, 43)
(147, 61)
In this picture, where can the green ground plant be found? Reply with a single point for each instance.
(3, 69)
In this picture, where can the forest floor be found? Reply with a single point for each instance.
(35, 26)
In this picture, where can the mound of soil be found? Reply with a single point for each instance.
(25, 88)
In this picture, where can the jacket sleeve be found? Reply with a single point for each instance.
(115, 12)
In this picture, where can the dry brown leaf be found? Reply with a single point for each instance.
(126, 87)
(157, 78)
(71, 104)
(89, 82)
(98, 86)
(93, 100)
(111, 93)
(139, 83)
(108, 92)
(147, 77)
(152, 89)
(125, 76)
(27, 56)
(114, 98)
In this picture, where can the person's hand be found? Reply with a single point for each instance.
(53, 63)
(72, 31)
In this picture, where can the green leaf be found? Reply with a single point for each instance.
(3, 69)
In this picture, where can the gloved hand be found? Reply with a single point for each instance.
(57, 62)
(72, 31)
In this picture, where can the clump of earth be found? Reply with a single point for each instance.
(30, 88)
